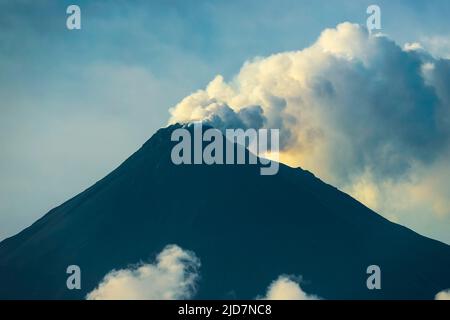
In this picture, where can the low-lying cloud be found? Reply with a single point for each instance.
(173, 276)
(443, 295)
(360, 111)
(287, 288)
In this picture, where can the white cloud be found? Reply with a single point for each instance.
(443, 295)
(172, 276)
(414, 46)
(354, 109)
(439, 46)
(286, 288)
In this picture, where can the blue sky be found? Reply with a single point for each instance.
(75, 104)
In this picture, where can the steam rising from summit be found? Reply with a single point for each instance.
(360, 111)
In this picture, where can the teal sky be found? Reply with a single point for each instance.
(75, 104)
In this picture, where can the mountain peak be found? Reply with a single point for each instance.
(247, 229)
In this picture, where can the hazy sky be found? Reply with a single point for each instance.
(75, 104)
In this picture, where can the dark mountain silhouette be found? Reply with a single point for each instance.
(247, 229)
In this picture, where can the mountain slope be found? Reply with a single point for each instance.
(247, 229)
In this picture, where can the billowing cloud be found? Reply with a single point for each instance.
(199, 107)
(439, 45)
(287, 288)
(443, 295)
(173, 276)
(360, 111)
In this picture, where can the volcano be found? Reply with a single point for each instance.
(246, 228)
